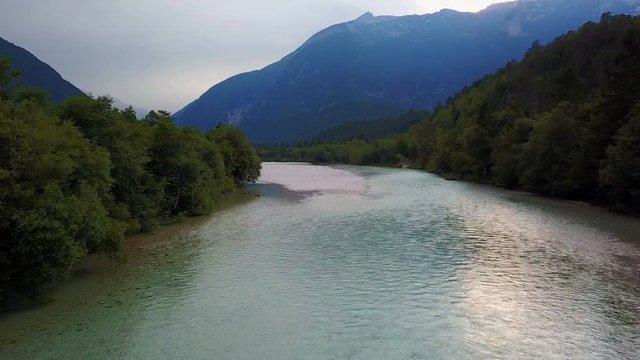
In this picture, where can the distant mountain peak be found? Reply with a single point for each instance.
(366, 16)
(447, 11)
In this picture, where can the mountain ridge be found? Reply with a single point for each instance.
(381, 66)
(36, 73)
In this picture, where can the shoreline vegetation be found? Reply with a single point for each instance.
(564, 122)
(136, 248)
(77, 178)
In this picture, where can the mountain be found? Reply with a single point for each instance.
(376, 67)
(37, 74)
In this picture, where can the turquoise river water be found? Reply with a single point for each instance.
(359, 263)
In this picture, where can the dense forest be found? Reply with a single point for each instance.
(564, 121)
(399, 150)
(76, 178)
(355, 142)
(370, 130)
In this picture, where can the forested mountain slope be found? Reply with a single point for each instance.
(563, 122)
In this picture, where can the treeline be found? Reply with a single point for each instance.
(370, 130)
(398, 150)
(381, 142)
(76, 178)
(565, 121)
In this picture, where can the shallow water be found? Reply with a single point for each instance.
(360, 263)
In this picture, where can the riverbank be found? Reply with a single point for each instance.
(140, 243)
(457, 178)
(137, 247)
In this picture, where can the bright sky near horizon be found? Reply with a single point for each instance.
(162, 54)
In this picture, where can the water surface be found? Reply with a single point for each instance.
(360, 263)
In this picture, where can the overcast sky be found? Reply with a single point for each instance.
(162, 54)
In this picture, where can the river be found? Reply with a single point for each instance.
(359, 263)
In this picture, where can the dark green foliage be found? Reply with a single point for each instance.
(508, 146)
(6, 74)
(54, 187)
(620, 174)
(75, 178)
(189, 168)
(242, 162)
(546, 160)
(553, 123)
(128, 143)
